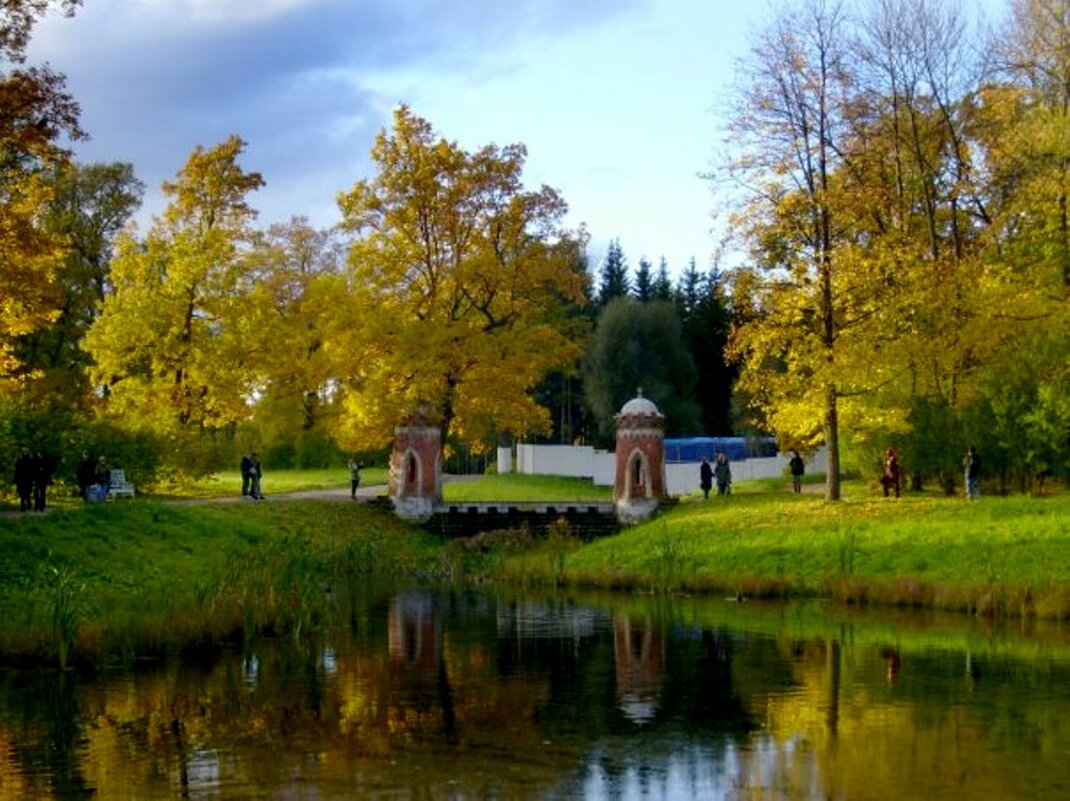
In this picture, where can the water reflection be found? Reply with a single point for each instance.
(427, 693)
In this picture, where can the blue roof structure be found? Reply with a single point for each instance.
(695, 449)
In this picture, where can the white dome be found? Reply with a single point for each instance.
(640, 406)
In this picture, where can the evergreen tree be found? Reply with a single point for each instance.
(706, 327)
(644, 281)
(689, 289)
(663, 284)
(613, 276)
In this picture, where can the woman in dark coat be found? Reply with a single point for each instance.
(705, 478)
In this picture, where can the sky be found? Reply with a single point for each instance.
(615, 100)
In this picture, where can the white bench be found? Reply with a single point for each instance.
(120, 487)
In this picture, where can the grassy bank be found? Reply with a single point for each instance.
(997, 556)
(127, 580)
(121, 581)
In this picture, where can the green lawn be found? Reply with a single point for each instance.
(916, 550)
(274, 482)
(516, 487)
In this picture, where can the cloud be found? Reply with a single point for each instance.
(294, 78)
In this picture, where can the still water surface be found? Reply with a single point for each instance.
(433, 693)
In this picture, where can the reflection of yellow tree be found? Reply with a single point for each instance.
(873, 748)
(12, 783)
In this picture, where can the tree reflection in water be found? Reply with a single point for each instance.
(457, 694)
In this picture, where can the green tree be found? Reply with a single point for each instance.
(640, 345)
(90, 205)
(457, 277)
(706, 329)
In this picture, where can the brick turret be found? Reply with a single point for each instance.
(416, 469)
(640, 480)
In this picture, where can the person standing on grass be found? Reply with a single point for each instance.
(255, 474)
(102, 479)
(86, 474)
(890, 479)
(971, 464)
(797, 468)
(354, 477)
(24, 470)
(705, 478)
(723, 473)
(244, 466)
(43, 466)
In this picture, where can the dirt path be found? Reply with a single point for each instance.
(364, 494)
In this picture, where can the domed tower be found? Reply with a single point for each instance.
(640, 481)
(416, 468)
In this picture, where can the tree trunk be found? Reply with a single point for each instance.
(832, 442)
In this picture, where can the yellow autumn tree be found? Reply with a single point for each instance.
(457, 281)
(296, 292)
(169, 347)
(36, 115)
(802, 350)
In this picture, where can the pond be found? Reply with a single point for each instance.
(445, 693)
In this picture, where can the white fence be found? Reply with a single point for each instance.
(681, 478)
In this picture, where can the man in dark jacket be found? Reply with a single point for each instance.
(797, 467)
(43, 467)
(246, 477)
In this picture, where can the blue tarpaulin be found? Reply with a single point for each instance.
(694, 449)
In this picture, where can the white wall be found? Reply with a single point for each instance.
(505, 460)
(681, 478)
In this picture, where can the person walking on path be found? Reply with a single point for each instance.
(102, 479)
(24, 472)
(890, 479)
(723, 473)
(797, 468)
(354, 477)
(971, 464)
(86, 474)
(244, 466)
(255, 474)
(705, 478)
